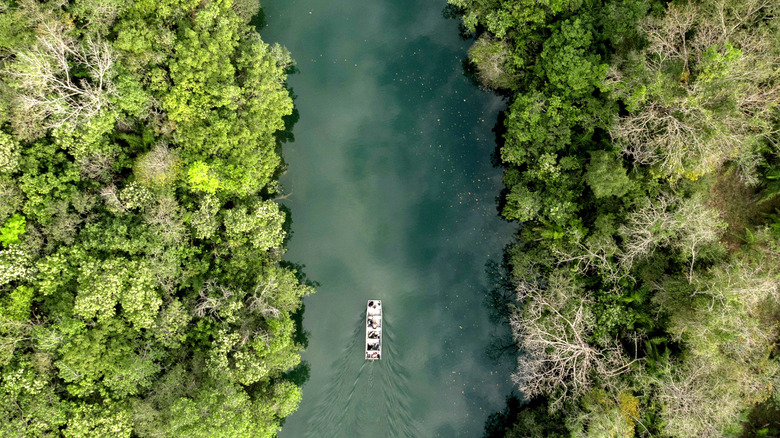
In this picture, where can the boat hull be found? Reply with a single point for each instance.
(374, 329)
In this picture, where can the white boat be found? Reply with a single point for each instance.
(374, 330)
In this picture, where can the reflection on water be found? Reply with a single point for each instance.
(392, 190)
(365, 398)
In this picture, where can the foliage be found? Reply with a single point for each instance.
(633, 317)
(554, 331)
(141, 286)
(12, 229)
(709, 93)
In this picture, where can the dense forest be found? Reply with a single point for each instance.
(641, 157)
(142, 291)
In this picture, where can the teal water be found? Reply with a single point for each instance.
(392, 195)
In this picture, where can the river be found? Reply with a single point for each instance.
(392, 194)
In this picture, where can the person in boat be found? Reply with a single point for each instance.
(375, 355)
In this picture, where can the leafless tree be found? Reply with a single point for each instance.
(49, 92)
(668, 38)
(689, 132)
(552, 330)
(686, 225)
(96, 165)
(158, 166)
(737, 304)
(596, 254)
(164, 218)
(259, 300)
(212, 297)
(489, 55)
(692, 400)
(13, 333)
(111, 198)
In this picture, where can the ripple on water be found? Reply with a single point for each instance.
(373, 401)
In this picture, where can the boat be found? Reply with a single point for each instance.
(374, 330)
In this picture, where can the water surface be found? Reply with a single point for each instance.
(393, 197)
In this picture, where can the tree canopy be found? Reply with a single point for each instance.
(141, 289)
(640, 155)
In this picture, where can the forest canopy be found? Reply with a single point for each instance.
(142, 291)
(641, 158)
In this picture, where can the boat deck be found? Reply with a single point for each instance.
(374, 330)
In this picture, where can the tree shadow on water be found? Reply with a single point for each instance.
(527, 419)
(282, 137)
(472, 74)
(520, 417)
(258, 21)
(286, 135)
(498, 423)
(499, 299)
(499, 129)
(301, 373)
(452, 12)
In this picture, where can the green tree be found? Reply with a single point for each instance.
(606, 175)
(12, 229)
(131, 196)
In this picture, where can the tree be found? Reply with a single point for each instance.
(708, 96)
(252, 337)
(12, 229)
(49, 94)
(260, 225)
(687, 225)
(603, 415)
(30, 405)
(570, 66)
(606, 175)
(693, 400)
(141, 291)
(553, 331)
(88, 420)
(158, 167)
(9, 153)
(15, 265)
(490, 58)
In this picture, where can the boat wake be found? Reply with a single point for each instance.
(364, 397)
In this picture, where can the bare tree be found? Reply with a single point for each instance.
(111, 198)
(596, 254)
(693, 400)
(686, 225)
(158, 166)
(12, 334)
(97, 165)
(50, 93)
(722, 102)
(731, 313)
(552, 330)
(490, 55)
(212, 297)
(259, 300)
(725, 318)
